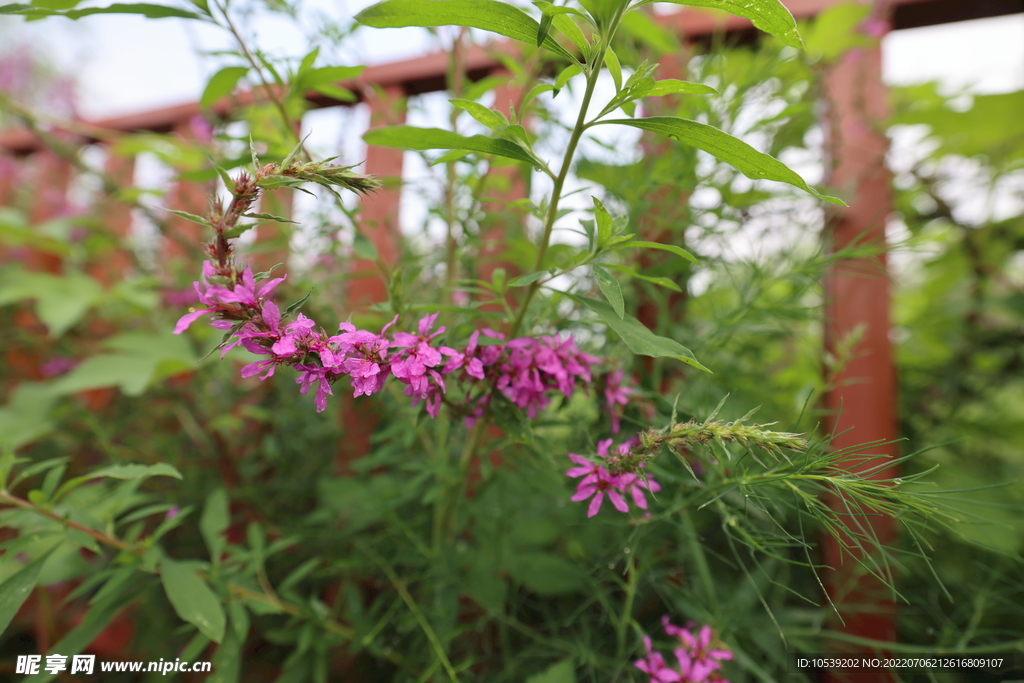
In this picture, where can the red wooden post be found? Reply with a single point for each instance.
(379, 217)
(862, 397)
(50, 178)
(379, 224)
(663, 218)
(506, 183)
(183, 237)
(116, 217)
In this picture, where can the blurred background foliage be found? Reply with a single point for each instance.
(524, 588)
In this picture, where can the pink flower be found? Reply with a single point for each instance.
(315, 374)
(585, 469)
(246, 293)
(362, 356)
(653, 664)
(635, 486)
(597, 485)
(413, 365)
(615, 395)
(696, 661)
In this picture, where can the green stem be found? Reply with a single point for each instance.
(563, 173)
(627, 608)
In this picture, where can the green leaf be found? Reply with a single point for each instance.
(330, 75)
(746, 159)
(604, 222)
(487, 15)
(192, 599)
(638, 338)
(571, 31)
(61, 300)
(189, 217)
(120, 472)
(363, 248)
(610, 288)
(567, 73)
(25, 417)
(771, 16)
(227, 660)
(543, 29)
(213, 523)
(268, 217)
(661, 281)
(611, 61)
(657, 245)
(528, 279)
(835, 31)
(562, 672)
(672, 86)
(16, 589)
(161, 469)
(142, 359)
(221, 84)
(335, 92)
(145, 9)
(484, 115)
(408, 137)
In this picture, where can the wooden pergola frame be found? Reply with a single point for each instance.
(862, 398)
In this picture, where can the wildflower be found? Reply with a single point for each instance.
(653, 664)
(696, 661)
(413, 365)
(245, 292)
(315, 374)
(364, 356)
(635, 486)
(597, 485)
(699, 646)
(615, 395)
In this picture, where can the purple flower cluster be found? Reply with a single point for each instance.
(598, 482)
(697, 661)
(525, 370)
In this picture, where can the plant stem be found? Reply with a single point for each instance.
(270, 90)
(563, 173)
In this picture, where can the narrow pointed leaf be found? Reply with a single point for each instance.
(637, 337)
(192, 599)
(634, 244)
(221, 84)
(672, 86)
(16, 589)
(544, 29)
(746, 159)
(148, 10)
(771, 16)
(487, 15)
(653, 279)
(610, 288)
(214, 521)
(408, 137)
